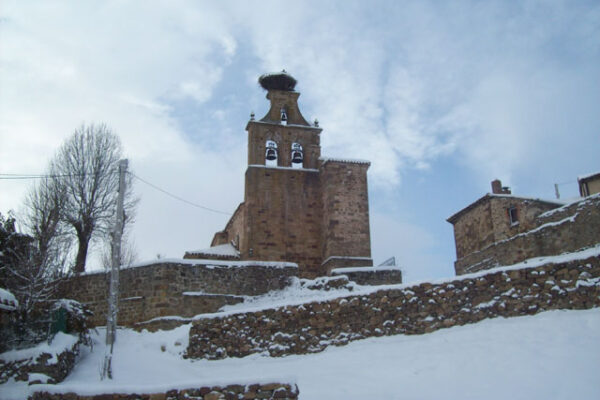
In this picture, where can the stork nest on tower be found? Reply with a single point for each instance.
(277, 81)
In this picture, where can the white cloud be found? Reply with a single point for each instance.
(498, 88)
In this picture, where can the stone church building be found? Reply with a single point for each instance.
(298, 206)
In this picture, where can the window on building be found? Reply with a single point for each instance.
(271, 153)
(297, 156)
(284, 117)
(513, 215)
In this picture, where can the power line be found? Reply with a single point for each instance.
(38, 176)
(43, 176)
(177, 197)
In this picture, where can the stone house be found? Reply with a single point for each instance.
(503, 229)
(589, 184)
(298, 206)
(494, 217)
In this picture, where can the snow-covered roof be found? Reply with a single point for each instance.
(588, 176)
(8, 301)
(206, 262)
(344, 160)
(223, 250)
(347, 270)
(346, 258)
(452, 219)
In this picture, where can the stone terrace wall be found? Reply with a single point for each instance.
(566, 229)
(371, 275)
(426, 307)
(281, 391)
(158, 290)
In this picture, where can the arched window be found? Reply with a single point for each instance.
(297, 156)
(271, 153)
(284, 117)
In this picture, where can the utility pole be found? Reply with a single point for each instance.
(556, 192)
(113, 296)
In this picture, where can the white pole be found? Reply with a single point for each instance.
(113, 296)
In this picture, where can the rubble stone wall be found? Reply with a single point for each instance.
(417, 309)
(157, 290)
(55, 367)
(281, 391)
(371, 275)
(558, 231)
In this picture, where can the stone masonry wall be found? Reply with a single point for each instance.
(283, 217)
(281, 391)
(163, 289)
(565, 229)
(371, 275)
(284, 136)
(488, 222)
(418, 309)
(345, 212)
(527, 212)
(475, 232)
(234, 230)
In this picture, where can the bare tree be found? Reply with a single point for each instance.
(87, 167)
(45, 223)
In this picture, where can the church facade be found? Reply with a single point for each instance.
(298, 206)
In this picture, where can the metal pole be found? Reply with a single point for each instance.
(113, 296)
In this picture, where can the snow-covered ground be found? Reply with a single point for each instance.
(553, 355)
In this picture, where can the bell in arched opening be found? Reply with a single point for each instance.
(271, 153)
(297, 155)
(284, 117)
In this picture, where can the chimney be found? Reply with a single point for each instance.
(497, 187)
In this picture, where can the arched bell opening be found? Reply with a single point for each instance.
(271, 153)
(297, 156)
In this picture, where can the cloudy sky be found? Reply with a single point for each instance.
(442, 97)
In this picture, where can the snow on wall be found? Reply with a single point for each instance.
(416, 309)
(156, 289)
(47, 362)
(226, 249)
(344, 160)
(565, 229)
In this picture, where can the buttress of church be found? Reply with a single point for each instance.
(298, 206)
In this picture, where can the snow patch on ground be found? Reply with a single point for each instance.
(552, 355)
